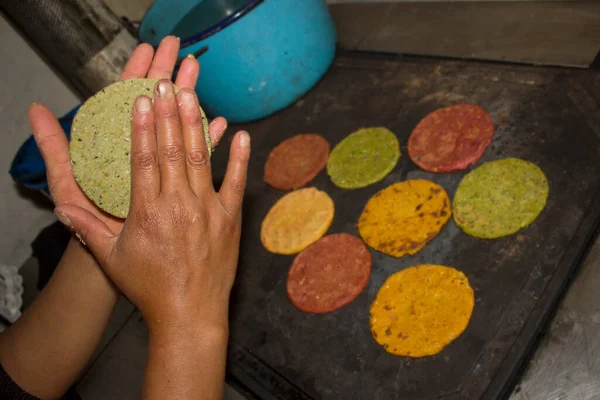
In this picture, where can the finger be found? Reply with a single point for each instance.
(138, 64)
(197, 157)
(145, 176)
(216, 129)
(164, 59)
(171, 148)
(89, 229)
(234, 184)
(54, 147)
(188, 73)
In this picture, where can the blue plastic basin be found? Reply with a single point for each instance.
(256, 56)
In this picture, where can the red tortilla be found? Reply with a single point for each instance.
(329, 274)
(296, 161)
(451, 138)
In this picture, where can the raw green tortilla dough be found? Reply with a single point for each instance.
(100, 143)
(499, 198)
(363, 158)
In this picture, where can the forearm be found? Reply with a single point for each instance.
(48, 347)
(186, 363)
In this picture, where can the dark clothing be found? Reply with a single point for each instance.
(10, 390)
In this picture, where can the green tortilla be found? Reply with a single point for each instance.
(499, 198)
(100, 143)
(363, 158)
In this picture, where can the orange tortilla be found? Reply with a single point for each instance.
(403, 217)
(297, 220)
(420, 310)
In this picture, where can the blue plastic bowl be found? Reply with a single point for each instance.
(256, 56)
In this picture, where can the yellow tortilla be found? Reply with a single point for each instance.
(403, 217)
(297, 220)
(420, 310)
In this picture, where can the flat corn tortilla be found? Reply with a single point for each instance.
(101, 143)
(418, 311)
(329, 273)
(298, 219)
(499, 198)
(451, 138)
(363, 158)
(296, 161)
(403, 217)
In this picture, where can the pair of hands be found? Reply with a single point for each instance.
(175, 255)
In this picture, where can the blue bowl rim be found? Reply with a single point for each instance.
(185, 42)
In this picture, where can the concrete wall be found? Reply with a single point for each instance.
(132, 9)
(25, 78)
(135, 9)
(534, 31)
(555, 33)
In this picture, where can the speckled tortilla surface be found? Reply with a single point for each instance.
(418, 311)
(402, 218)
(329, 273)
(101, 144)
(499, 198)
(297, 220)
(363, 158)
(451, 138)
(296, 161)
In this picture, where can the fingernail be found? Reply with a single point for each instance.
(191, 56)
(63, 218)
(143, 105)
(188, 99)
(223, 128)
(165, 89)
(245, 139)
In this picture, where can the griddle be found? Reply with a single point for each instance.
(548, 116)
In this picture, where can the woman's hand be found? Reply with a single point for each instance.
(46, 350)
(54, 146)
(177, 254)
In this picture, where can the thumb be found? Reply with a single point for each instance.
(95, 234)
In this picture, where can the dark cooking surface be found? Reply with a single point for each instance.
(542, 115)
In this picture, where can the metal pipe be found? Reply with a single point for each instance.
(83, 39)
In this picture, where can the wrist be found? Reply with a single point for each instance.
(186, 358)
(188, 337)
(191, 317)
(188, 327)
